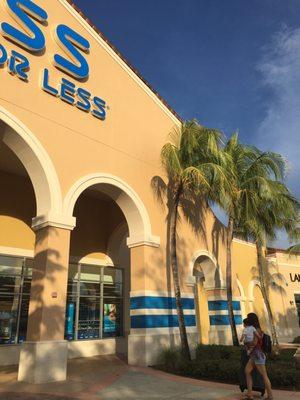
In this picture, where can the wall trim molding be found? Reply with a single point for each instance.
(16, 252)
(136, 214)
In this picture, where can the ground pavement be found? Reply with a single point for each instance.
(109, 378)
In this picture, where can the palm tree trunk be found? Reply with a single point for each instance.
(174, 266)
(260, 261)
(235, 339)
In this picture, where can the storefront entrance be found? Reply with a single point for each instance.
(94, 307)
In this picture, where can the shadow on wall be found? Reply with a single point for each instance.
(192, 208)
(46, 320)
(275, 284)
(288, 325)
(218, 235)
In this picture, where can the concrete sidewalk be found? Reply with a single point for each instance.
(109, 378)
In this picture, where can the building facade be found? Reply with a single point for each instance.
(83, 265)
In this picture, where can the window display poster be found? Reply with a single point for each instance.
(6, 323)
(70, 320)
(110, 316)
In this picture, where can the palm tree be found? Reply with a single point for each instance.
(295, 235)
(246, 170)
(295, 248)
(191, 161)
(277, 209)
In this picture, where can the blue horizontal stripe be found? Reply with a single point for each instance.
(222, 305)
(160, 302)
(224, 319)
(160, 321)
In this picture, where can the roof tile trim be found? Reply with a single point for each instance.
(103, 37)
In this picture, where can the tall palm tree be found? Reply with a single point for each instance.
(191, 161)
(277, 210)
(246, 170)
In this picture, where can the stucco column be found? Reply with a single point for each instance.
(140, 269)
(44, 354)
(153, 316)
(220, 331)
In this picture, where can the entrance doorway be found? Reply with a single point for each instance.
(99, 272)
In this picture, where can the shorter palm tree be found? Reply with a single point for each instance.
(295, 248)
(248, 170)
(276, 209)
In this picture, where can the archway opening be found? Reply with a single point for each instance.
(99, 273)
(207, 277)
(17, 239)
(260, 309)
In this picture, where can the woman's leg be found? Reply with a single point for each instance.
(262, 370)
(248, 370)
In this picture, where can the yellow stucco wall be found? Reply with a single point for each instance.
(16, 211)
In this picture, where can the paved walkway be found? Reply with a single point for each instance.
(109, 378)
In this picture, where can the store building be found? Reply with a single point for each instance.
(83, 266)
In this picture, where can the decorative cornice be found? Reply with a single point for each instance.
(53, 220)
(136, 241)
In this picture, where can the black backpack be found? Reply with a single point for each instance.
(266, 344)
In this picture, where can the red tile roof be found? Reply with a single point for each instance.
(272, 250)
(123, 58)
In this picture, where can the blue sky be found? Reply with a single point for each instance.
(232, 64)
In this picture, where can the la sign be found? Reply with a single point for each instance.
(30, 18)
(295, 277)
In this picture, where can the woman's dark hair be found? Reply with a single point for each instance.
(253, 320)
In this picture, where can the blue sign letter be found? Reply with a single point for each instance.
(3, 56)
(70, 40)
(20, 10)
(18, 64)
(100, 111)
(45, 84)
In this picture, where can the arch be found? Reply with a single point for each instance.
(127, 199)
(37, 164)
(116, 243)
(210, 270)
(252, 284)
(262, 312)
(242, 297)
(241, 289)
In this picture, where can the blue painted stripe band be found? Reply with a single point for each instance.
(160, 321)
(160, 302)
(220, 305)
(224, 320)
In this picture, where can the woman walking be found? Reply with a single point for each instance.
(257, 359)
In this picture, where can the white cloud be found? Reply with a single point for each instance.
(280, 129)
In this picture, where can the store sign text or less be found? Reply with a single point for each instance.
(30, 18)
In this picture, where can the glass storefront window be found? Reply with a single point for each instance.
(112, 302)
(94, 306)
(71, 307)
(24, 301)
(94, 302)
(13, 311)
